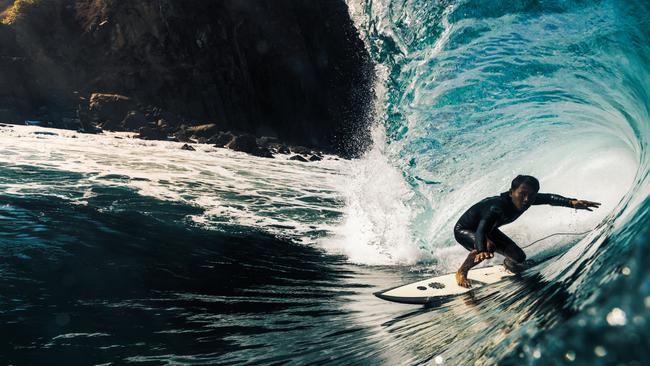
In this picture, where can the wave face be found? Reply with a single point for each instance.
(476, 92)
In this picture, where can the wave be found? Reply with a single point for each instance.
(473, 94)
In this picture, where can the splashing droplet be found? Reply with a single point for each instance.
(616, 317)
(570, 356)
(537, 353)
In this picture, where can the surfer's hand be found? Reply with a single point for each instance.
(584, 205)
(481, 256)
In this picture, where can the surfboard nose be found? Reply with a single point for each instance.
(401, 299)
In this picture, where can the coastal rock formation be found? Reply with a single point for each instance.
(248, 144)
(292, 69)
(110, 110)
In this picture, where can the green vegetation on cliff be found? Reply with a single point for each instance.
(13, 12)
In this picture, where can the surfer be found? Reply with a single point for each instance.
(477, 229)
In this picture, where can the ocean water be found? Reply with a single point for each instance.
(122, 251)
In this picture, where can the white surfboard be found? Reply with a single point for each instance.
(442, 287)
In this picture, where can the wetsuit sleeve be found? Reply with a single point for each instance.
(552, 199)
(485, 225)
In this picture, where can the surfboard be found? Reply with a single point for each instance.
(442, 287)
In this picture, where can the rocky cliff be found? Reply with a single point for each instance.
(292, 69)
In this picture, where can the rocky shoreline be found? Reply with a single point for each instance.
(260, 76)
(104, 110)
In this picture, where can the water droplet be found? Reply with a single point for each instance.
(638, 320)
(570, 356)
(647, 301)
(616, 317)
(537, 353)
(582, 322)
(626, 270)
(438, 360)
(600, 351)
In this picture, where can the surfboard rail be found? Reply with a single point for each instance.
(442, 288)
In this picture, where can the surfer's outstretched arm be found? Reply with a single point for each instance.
(557, 200)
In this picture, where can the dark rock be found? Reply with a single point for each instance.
(263, 152)
(266, 140)
(152, 133)
(300, 150)
(299, 158)
(187, 147)
(83, 114)
(181, 137)
(207, 130)
(221, 139)
(109, 110)
(134, 120)
(279, 148)
(248, 144)
(315, 158)
(69, 123)
(244, 143)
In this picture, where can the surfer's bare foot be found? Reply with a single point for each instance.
(461, 279)
(461, 274)
(481, 256)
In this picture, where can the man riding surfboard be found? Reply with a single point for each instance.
(478, 228)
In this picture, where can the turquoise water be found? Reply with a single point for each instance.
(477, 92)
(119, 251)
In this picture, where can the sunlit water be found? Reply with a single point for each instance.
(117, 250)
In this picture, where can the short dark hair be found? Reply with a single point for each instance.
(525, 179)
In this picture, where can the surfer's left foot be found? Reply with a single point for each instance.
(461, 274)
(461, 279)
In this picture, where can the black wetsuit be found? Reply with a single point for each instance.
(482, 220)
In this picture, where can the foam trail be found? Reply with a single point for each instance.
(279, 196)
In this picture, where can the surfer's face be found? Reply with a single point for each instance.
(523, 197)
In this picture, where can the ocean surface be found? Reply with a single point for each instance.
(116, 250)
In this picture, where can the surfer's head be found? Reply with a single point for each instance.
(523, 190)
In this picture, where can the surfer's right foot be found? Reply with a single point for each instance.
(513, 266)
(461, 279)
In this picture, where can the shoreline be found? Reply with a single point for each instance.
(260, 146)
